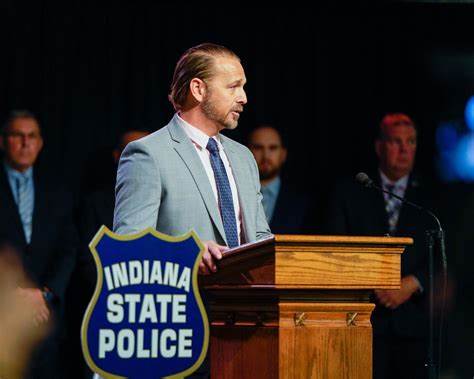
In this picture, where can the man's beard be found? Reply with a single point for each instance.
(269, 174)
(211, 113)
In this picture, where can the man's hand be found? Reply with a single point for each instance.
(34, 297)
(394, 298)
(212, 253)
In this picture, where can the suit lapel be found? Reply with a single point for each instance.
(405, 210)
(185, 149)
(382, 215)
(281, 202)
(9, 201)
(244, 191)
(39, 209)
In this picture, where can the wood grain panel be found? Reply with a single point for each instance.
(338, 270)
(325, 353)
(325, 346)
(244, 353)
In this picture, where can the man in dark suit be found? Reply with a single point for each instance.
(400, 319)
(36, 218)
(287, 208)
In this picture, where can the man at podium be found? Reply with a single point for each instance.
(187, 175)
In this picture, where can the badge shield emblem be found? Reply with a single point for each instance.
(146, 318)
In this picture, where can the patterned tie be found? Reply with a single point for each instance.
(224, 194)
(25, 205)
(392, 206)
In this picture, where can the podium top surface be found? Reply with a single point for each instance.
(310, 239)
(304, 241)
(313, 261)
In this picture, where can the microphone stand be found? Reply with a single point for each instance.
(434, 235)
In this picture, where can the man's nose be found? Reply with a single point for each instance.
(266, 153)
(404, 147)
(242, 98)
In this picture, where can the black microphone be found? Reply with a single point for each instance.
(364, 179)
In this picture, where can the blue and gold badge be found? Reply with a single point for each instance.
(146, 318)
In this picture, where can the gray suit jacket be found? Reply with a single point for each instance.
(161, 183)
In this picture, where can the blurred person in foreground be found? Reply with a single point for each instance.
(400, 319)
(287, 205)
(36, 219)
(21, 325)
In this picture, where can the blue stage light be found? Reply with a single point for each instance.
(464, 158)
(446, 137)
(445, 166)
(469, 113)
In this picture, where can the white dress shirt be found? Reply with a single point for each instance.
(200, 140)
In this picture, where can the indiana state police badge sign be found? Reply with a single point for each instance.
(146, 318)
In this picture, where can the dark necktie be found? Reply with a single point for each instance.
(25, 205)
(224, 194)
(392, 206)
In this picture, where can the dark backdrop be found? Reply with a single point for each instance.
(323, 74)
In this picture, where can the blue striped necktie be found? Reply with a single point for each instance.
(226, 203)
(25, 205)
(392, 206)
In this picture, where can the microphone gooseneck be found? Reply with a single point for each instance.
(364, 179)
(433, 371)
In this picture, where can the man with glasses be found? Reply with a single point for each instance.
(36, 218)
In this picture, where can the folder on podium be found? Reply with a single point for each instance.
(298, 306)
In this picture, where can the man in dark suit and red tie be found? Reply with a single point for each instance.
(400, 319)
(36, 218)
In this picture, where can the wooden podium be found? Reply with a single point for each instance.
(298, 306)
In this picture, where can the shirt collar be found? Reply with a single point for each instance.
(11, 172)
(274, 186)
(196, 135)
(400, 183)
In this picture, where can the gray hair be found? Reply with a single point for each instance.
(16, 114)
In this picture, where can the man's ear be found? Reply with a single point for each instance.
(378, 148)
(116, 155)
(284, 154)
(41, 142)
(197, 89)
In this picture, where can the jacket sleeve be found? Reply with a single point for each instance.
(138, 190)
